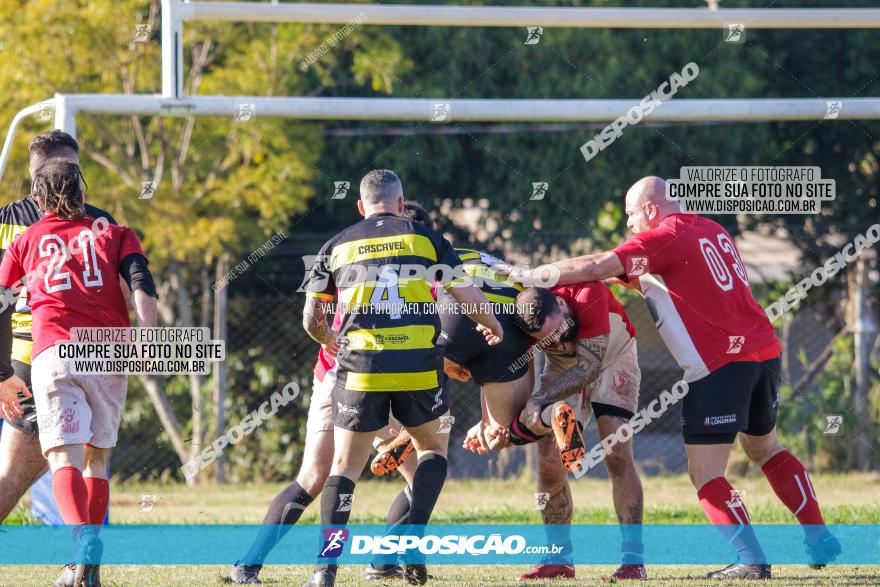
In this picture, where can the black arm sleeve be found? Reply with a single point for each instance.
(133, 269)
(8, 295)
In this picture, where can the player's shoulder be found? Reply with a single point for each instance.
(22, 212)
(581, 291)
(96, 212)
(468, 255)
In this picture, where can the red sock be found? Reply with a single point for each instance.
(99, 498)
(726, 510)
(71, 495)
(793, 487)
(721, 503)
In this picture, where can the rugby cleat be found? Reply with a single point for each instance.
(379, 572)
(741, 571)
(245, 574)
(392, 454)
(66, 577)
(824, 551)
(628, 572)
(569, 438)
(549, 568)
(88, 571)
(415, 574)
(322, 578)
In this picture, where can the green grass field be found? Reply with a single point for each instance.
(845, 499)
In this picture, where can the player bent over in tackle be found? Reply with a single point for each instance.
(592, 366)
(72, 275)
(501, 371)
(689, 270)
(388, 362)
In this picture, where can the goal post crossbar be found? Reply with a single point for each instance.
(175, 13)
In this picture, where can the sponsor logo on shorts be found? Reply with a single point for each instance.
(718, 420)
(438, 400)
(69, 421)
(334, 542)
(344, 409)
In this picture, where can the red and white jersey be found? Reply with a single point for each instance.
(697, 289)
(598, 312)
(71, 273)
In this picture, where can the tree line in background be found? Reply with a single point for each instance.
(224, 187)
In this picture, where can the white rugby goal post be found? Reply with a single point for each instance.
(175, 13)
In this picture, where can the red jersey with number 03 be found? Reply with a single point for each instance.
(697, 289)
(71, 271)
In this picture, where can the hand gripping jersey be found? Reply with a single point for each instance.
(388, 328)
(697, 289)
(71, 273)
(15, 217)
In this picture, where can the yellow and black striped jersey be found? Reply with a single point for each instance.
(496, 288)
(379, 271)
(15, 217)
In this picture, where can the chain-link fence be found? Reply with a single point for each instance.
(267, 348)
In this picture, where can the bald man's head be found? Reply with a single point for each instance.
(646, 204)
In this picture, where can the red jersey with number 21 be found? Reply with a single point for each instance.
(79, 283)
(697, 289)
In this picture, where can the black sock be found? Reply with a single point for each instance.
(399, 509)
(428, 481)
(284, 511)
(398, 515)
(336, 502)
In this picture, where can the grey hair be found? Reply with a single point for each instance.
(381, 186)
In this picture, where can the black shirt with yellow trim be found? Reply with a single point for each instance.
(478, 265)
(378, 272)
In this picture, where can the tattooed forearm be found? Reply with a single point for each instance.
(315, 321)
(590, 354)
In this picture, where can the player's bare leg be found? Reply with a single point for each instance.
(626, 489)
(556, 515)
(504, 401)
(21, 464)
(317, 459)
(793, 487)
(726, 510)
(71, 491)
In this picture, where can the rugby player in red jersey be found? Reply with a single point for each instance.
(695, 284)
(21, 460)
(591, 367)
(71, 271)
